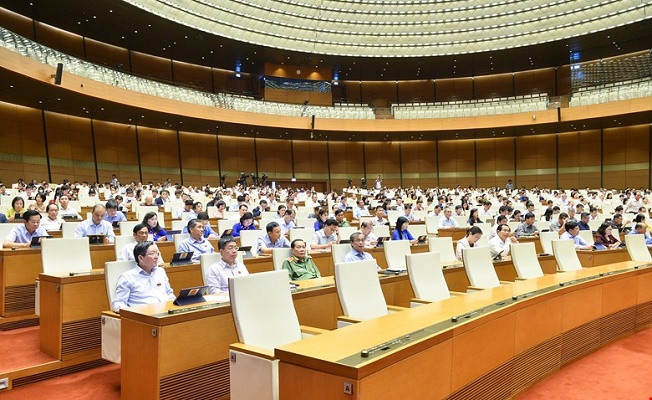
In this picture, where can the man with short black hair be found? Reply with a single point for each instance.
(146, 283)
(379, 219)
(196, 242)
(341, 221)
(357, 252)
(583, 223)
(52, 222)
(140, 233)
(112, 214)
(327, 236)
(572, 233)
(300, 265)
(21, 235)
(527, 228)
(499, 245)
(228, 266)
(273, 240)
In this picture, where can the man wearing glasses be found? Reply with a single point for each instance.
(146, 283)
(229, 266)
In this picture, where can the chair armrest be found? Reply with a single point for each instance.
(396, 308)
(518, 278)
(474, 289)
(252, 350)
(111, 314)
(421, 301)
(348, 320)
(456, 293)
(311, 330)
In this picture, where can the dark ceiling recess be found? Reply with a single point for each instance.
(120, 24)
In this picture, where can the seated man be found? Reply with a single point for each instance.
(300, 265)
(584, 222)
(273, 240)
(65, 210)
(370, 240)
(96, 225)
(379, 219)
(196, 242)
(360, 210)
(641, 229)
(327, 236)
(357, 252)
(287, 222)
(186, 213)
(527, 228)
(52, 222)
(341, 221)
(447, 221)
(112, 214)
(229, 266)
(163, 198)
(208, 232)
(141, 233)
(499, 245)
(21, 235)
(146, 283)
(559, 225)
(573, 233)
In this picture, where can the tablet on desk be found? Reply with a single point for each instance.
(69, 217)
(191, 296)
(170, 235)
(96, 239)
(227, 232)
(422, 239)
(182, 258)
(36, 241)
(247, 251)
(115, 224)
(381, 240)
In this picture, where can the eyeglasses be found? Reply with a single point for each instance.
(231, 248)
(155, 253)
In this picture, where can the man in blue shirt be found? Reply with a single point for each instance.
(146, 283)
(21, 235)
(96, 225)
(584, 222)
(641, 229)
(196, 242)
(273, 240)
(208, 232)
(357, 252)
(112, 214)
(572, 233)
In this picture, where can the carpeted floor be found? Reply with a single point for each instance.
(20, 349)
(621, 370)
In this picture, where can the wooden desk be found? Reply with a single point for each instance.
(71, 307)
(594, 258)
(454, 233)
(494, 354)
(162, 353)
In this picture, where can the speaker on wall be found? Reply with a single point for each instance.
(57, 77)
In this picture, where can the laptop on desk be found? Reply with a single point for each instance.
(36, 241)
(182, 258)
(95, 239)
(191, 296)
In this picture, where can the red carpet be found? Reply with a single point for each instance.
(20, 349)
(621, 370)
(102, 383)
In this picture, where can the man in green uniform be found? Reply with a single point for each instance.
(300, 266)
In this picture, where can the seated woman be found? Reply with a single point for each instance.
(17, 209)
(474, 217)
(473, 234)
(322, 216)
(605, 238)
(41, 203)
(151, 222)
(221, 209)
(246, 224)
(401, 232)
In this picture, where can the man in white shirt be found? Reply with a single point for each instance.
(486, 211)
(229, 266)
(360, 210)
(141, 233)
(324, 238)
(379, 219)
(65, 210)
(96, 225)
(634, 203)
(52, 222)
(287, 222)
(370, 240)
(499, 245)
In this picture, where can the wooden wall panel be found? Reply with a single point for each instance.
(536, 161)
(456, 163)
(579, 159)
(380, 93)
(22, 144)
(159, 155)
(71, 148)
(419, 160)
(416, 91)
(310, 160)
(194, 75)
(274, 158)
(563, 80)
(103, 53)
(346, 163)
(535, 81)
(626, 157)
(352, 91)
(495, 161)
(236, 156)
(117, 151)
(59, 39)
(454, 89)
(199, 159)
(382, 158)
(149, 65)
(490, 86)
